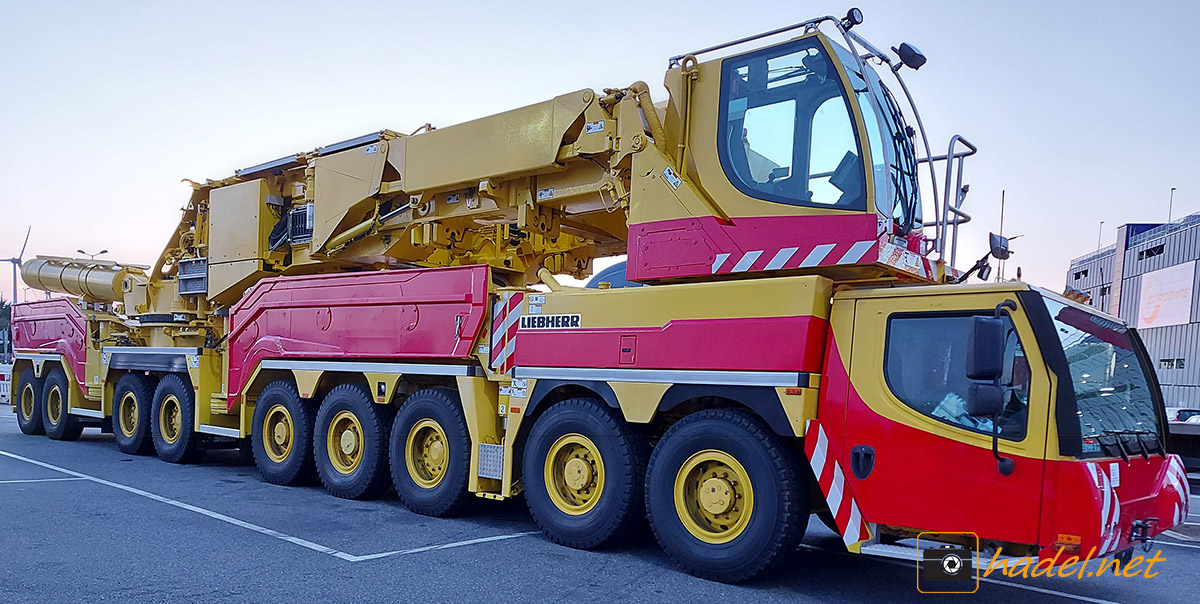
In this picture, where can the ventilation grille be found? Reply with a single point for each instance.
(193, 276)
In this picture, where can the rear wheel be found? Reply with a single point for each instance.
(283, 429)
(583, 470)
(59, 423)
(172, 419)
(350, 443)
(132, 400)
(29, 404)
(723, 496)
(430, 453)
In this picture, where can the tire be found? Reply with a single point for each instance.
(734, 451)
(353, 466)
(29, 404)
(132, 400)
(280, 435)
(584, 470)
(58, 421)
(430, 453)
(173, 421)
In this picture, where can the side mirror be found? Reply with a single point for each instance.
(910, 56)
(999, 246)
(985, 349)
(985, 272)
(985, 400)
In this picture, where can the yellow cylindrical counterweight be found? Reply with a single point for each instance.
(93, 280)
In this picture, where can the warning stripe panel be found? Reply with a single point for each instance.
(838, 496)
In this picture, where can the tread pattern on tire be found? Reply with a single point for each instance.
(186, 449)
(632, 459)
(34, 426)
(299, 468)
(451, 493)
(791, 502)
(68, 427)
(373, 417)
(142, 387)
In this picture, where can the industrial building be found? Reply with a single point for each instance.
(1149, 279)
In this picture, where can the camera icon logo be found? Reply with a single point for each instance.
(947, 563)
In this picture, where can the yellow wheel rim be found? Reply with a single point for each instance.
(345, 442)
(127, 415)
(54, 405)
(170, 419)
(27, 406)
(574, 474)
(278, 433)
(713, 496)
(426, 453)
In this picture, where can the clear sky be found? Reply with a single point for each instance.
(1084, 111)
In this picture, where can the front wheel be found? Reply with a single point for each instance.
(29, 405)
(723, 496)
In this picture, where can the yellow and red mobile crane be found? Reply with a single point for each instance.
(383, 312)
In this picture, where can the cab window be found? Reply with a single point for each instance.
(786, 132)
(926, 369)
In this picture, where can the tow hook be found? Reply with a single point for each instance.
(1140, 531)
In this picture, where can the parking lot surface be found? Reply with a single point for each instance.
(83, 521)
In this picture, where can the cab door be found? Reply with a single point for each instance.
(917, 459)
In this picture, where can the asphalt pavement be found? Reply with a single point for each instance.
(82, 521)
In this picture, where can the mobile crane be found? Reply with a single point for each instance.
(383, 312)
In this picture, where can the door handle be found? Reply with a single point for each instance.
(862, 461)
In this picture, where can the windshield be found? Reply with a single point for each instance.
(1115, 405)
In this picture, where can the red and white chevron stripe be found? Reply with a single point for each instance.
(506, 315)
(1110, 511)
(825, 254)
(833, 484)
(1177, 478)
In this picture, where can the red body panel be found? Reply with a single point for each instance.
(751, 344)
(52, 326)
(955, 487)
(408, 314)
(692, 246)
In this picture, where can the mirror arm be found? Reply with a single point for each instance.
(1004, 464)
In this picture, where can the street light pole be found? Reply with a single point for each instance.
(1170, 205)
(92, 256)
(1099, 235)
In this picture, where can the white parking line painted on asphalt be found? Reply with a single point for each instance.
(1187, 545)
(316, 547)
(1041, 590)
(28, 480)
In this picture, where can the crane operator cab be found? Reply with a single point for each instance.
(808, 165)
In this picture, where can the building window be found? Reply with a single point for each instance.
(1104, 290)
(1179, 363)
(1151, 252)
(1166, 363)
(1080, 274)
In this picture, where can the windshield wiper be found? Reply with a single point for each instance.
(1107, 447)
(1136, 433)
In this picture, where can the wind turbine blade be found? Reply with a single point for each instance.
(21, 256)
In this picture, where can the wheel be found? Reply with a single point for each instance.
(583, 469)
(350, 444)
(430, 453)
(132, 399)
(29, 409)
(281, 433)
(172, 419)
(723, 496)
(59, 423)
